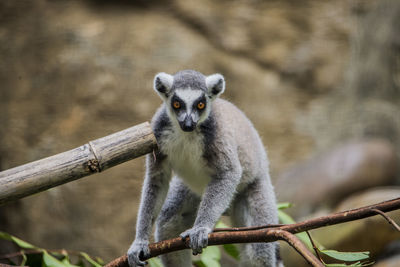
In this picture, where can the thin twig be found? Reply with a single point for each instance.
(314, 247)
(390, 220)
(295, 242)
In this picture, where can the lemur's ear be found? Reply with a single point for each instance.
(215, 84)
(163, 83)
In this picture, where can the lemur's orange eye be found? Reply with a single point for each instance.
(176, 104)
(201, 105)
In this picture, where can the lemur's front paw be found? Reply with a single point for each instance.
(138, 251)
(198, 238)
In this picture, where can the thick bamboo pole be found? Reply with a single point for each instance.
(95, 156)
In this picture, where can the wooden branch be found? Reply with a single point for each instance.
(267, 234)
(294, 242)
(314, 246)
(388, 219)
(95, 156)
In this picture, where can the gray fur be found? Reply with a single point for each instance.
(219, 164)
(189, 79)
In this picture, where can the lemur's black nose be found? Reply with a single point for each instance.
(188, 124)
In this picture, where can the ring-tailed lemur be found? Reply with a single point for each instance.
(217, 161)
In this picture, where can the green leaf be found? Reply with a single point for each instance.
(211, 257)
(16, 240)
(355, 264)
(220, 224)
(211, 252)
(232, 250)
(100, 261)
(304, 238)
(346, 256)
(66, 261)
(89, 259)
(22, 244)
(335, 264)
(285, 218)
(50, 261)
(155, 262)
(284, 205)
(5, 236)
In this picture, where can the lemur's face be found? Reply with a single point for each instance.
(188, 96)
(189, 107)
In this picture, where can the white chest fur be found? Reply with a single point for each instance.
(184, 152)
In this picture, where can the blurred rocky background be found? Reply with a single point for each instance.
(319, 79)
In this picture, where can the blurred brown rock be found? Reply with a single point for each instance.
(390, 262)
(367, 102)
(329, 177)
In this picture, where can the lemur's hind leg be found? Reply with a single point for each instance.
(177, 215)
(255, 207)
